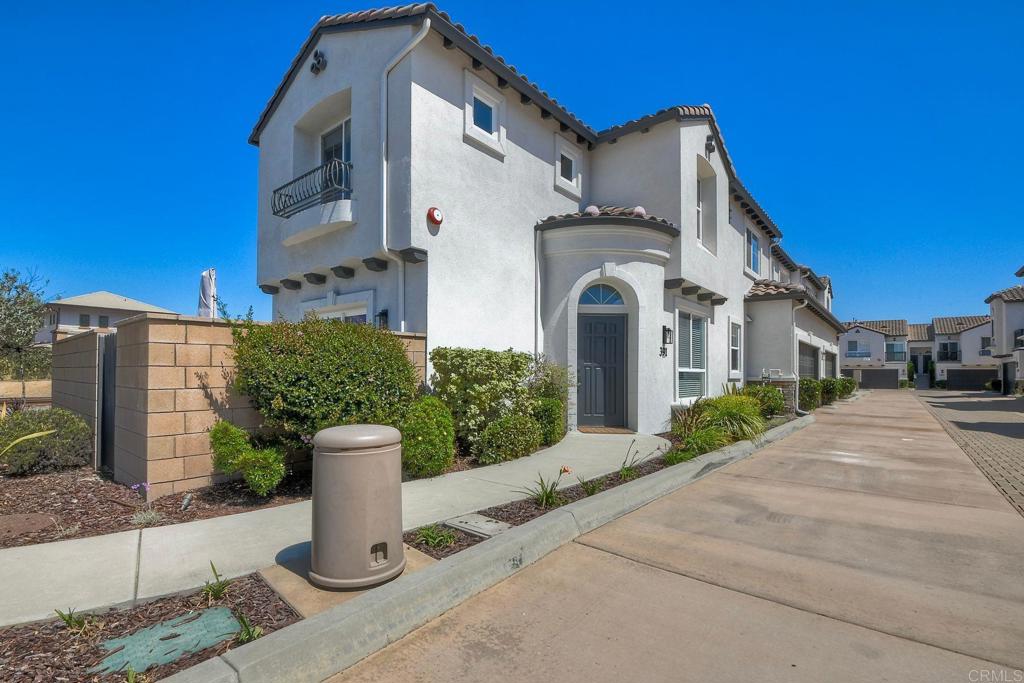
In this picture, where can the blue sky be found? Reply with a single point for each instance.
(884, 138)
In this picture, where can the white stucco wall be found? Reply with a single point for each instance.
(770, 339)
(970, 347)
(68, 317)
(875, 341)
(812, 330)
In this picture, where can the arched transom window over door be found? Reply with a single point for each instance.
(601, 295)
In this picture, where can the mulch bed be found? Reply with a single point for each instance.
(462, 541)
(78, 503)
(49, 651)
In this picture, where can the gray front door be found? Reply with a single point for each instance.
(601, 363)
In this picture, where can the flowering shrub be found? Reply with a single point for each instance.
(480, 386)
(305, 376)
(428, 438)
(810, 393)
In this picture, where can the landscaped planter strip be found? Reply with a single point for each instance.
(334, 640)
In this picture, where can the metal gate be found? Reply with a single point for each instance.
(968, 380)
(880, 379)
(808, 361)
(106, 400)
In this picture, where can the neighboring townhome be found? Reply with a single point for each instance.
(410, 178)
(962, 351)
(874, 352)
(1007, 309)
(96, 310)
(791, 331)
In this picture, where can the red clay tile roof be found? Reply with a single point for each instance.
(1010, 294)
(920, 332)
(609, 214)
(764, 288)
(892, 328)
(959, 323)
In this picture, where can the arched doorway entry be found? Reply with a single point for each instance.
(601, 357)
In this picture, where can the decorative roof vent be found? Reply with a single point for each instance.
(592, 211)
(639, 212)
(319, 63)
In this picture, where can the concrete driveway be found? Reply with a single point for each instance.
(867, 547)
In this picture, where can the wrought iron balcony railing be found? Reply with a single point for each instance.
(1018, 343)
(949, 355)
(891, 356)
(323, 184)
(985, 352)
(858, 354)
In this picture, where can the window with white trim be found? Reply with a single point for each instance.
(484, 116)
(700, 210)
(735, 347)
(691, 360)
(568, 175)
(776, 271)
(753, 252)
(706, 215)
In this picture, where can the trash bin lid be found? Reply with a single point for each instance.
(349, 437)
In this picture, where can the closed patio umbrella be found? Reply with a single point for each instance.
(208, 294)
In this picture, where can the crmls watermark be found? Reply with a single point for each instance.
(995, 676)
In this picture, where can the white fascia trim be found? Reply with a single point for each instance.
(493, 143)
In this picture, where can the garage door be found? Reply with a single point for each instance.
(808, 361)
(968, 380)
(830, 365)
(880, 379)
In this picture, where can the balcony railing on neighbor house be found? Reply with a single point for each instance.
(323, 184)
(985, 352)
(949, 355)
(892, 356)
(1018, 343)
(858, 354)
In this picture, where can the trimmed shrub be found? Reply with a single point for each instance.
(737, 415)
(829, 389)
(847, 385)
(69, 446)
(940, 384)
(810, 393)
(550, 415)
(508, 438)
(261, 468)
(479, 386)
(770, 398)
(305, 376)
(428, 438)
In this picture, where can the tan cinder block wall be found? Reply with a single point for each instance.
(173, 383)
(75, 367)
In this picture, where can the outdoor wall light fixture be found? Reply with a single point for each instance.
(319, 63)
(709, 144)
(666, 339)
(382, 319)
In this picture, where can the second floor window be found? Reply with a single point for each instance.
(83, 320)
(700, 209)
(949, 351)
(895, 351)
(483, 115)
(691, 363)
(753, 252)
(986, 342)
(104, 321)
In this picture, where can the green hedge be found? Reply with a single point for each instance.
(508, 438)
(480, 386)
(847, 385)
(70, 446)
(550, 415)
(770, 398)
(810, 393)
(262, 468)
(829, 389)
(305, 376)
(428, 438)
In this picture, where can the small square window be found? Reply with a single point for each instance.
(83, 320)
(104, 321)
(567, 168)
(483, 116)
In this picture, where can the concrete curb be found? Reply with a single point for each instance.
(332, 641)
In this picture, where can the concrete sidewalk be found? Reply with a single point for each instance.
(120, 568)
(866, 547)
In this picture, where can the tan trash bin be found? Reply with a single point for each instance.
(357, 506)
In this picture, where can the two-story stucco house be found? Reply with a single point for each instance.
(1007, 309)
(877, 352)
(95, 310)
(411, 178)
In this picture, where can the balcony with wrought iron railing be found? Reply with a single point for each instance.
(858, 354)
(895, 356)
(1018, 339)
(952, 356)
(315, 203)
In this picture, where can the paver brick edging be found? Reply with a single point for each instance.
(334, 640)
